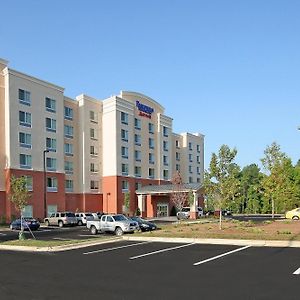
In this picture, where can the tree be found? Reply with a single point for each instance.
(19, 196)
(178, 196)
(126, 203)
(191, 198)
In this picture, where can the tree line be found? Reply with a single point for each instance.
(273, 189)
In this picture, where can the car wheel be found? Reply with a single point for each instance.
(61, 224)
(47, 223)
(295, 218)
(94, 230)
(118, 231)
(79, 223)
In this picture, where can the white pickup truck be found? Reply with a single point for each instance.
(112, 223)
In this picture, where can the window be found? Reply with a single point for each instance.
(94, 185)
(93, 150)
(137, 124)
(124, 152)
(25, 118)
(177, 167)
(151, 143)
(177, 144)
(151, 158)
(94, 168)
(138, 185)
(51, 184)
(198, 170)
(124, 169)
(50, 104)
(198, 159)
(124, 135)
(124, 118)
(151, 128)
(50, 124)
(137, 139)
(93, 134)
(165, 131)
(190, 179)
(166, 146)
(198, 180)
(25, 140)
(198, 148)
(190, 158)
(151, 173)
(51, 164)
(68, 113)
(25, 161)
(68, 149)
(68, 131)
(69, 186)
(125, 186)
(69, 167)
(24, 97)
(51, 144)
(165, 160)
(177, 155)
(190, 169)
(166, 174)
(138, 155)
(138, 171)
(93, 117)
(28, 182)
(27, 211)
(190, 146)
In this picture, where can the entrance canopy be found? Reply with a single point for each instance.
(168, 189)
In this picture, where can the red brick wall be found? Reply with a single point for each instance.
(2, 204)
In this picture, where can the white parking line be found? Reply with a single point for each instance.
(2, 233)
(219, 256)
(90, 235)
(160, 251)
(115, 248)
(297, 272)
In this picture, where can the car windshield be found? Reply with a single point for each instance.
(89, 215)
(120, 218)
(185, 209)
(70, 214)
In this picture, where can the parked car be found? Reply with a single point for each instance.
(185, 213)
(226, 212)
(28, 223)
(61, 219)
(293, 214)
(83, 217)
(143, 224)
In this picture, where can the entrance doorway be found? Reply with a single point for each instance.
(162, 210)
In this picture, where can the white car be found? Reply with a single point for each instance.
(83, 217)
(185, 213)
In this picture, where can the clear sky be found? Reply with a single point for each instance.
(228, 69)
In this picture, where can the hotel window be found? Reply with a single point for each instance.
(124, 169)
(24, 97)
(151, 143)
(51, 184)
(190, 146)
(151, 158)
(69, 185)
(137, 139)
(69, 167)
(68, 149)
(166, 174)
(124, 152)
(125, 186)
(151, 173)
(94, 168)
(177, 167)
(138, 171)
(28, 182)
(198, 148)
(93, 134)
(198, 180)
(190, 179)
(124, 118)
(177, 144)
(166, 146)
(25, 118)
(25, 161)
(137, 124)
(68, 113)
(138, 185)
(51, 144)
(25, 140)
(94, 185)
(124, 135)
(68, 131)
(190, 169)
(93, 151)
(151, 128)
(50, 124)
(198, 159)
(138, 155)
(51, 164)
(50, 104)
(177, 155)
(165, 131)
(198, 170)
(190, 158)
(165, 160)
(93, 117)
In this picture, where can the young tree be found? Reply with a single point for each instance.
(126, 203)
(179, 197)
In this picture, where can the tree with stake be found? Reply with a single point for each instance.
(179, 197)
(19, 195)
(126, 203)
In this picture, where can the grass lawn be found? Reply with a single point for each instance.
(231, 229)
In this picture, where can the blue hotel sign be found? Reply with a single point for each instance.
(144, 110)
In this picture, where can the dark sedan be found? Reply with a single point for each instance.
(143, 224)
(28, 223)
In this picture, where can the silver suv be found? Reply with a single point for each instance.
(61, 219)
(185, 213)
(83, 217)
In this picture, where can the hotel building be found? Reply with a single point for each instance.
(84, 154)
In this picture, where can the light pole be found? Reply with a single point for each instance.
(45, 183)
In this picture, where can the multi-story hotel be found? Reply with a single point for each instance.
(84, 154)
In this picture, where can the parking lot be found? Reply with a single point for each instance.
(148, 270)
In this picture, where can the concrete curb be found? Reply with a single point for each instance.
(255, 243)
(59, 248)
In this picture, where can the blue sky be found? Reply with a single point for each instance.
(228, 69)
